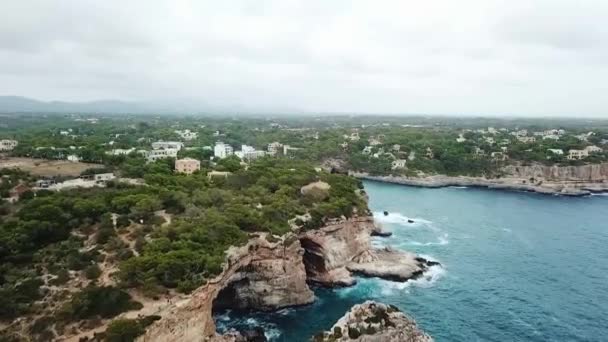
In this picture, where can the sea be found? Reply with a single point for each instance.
(515, 266)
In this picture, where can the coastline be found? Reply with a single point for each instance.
(563, 188)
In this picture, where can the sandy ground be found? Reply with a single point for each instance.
(47, 168)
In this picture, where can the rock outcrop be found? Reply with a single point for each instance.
(260, 275)
(343, 248)
(388, 264)
(374, 322)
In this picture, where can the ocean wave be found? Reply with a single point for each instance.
(428, 279)
(441, 241)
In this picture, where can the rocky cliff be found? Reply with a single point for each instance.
(343, 248)
(582, 173)
(329, 249)
(260, 275)
(555, 180)
(371, 322)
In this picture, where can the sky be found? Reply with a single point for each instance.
(482, 57)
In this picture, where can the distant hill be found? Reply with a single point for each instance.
(13, 104)
(19, 104)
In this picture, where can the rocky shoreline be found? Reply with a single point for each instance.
(370, 322)
(562, 188)
(264, 275)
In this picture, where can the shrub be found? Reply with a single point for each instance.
(92, 272)
(353, 332)
(62, 277)
(124, 330)
(105, 301)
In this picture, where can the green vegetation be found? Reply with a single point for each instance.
(58, 250)
(95, 301)
(126, 330)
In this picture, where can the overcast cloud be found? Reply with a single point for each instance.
(523, 57)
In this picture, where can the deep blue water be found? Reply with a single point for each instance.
(516, 267)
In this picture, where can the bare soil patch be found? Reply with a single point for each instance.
(47, 168)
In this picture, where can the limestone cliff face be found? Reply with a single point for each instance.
(334, 253)
(273, 279)
(582, 173)
(374, 322)
(330, 249)
(260, 275)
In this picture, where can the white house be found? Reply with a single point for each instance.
(103, 177)
(249, 153)
(374, 142)
(577, 154)
(593, 148)
(551, 137)
(274, 148)
(398, 164)
(556, 151)
(7, 144)
(525, 139)
(222, 150)
(155, 155)
(187, 134)
(73, 158)
(177, 145)
(120, 152)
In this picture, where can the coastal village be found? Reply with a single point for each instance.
(164, 215)
(499, 145)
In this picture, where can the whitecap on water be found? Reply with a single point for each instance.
(397, 218)
(441, 240)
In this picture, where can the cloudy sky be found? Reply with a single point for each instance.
(522, 57)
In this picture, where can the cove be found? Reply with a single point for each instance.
(516, 267)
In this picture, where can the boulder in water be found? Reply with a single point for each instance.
(385, 213)
(410, 221)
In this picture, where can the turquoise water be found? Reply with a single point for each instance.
(516, 267)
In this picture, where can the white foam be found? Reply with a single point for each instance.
(225, 317)
(252, 321)
(284, 312)
(441, 241)
(272, 333)
(430, 277)
(398, 218)
(603, 194)
(459, 187)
